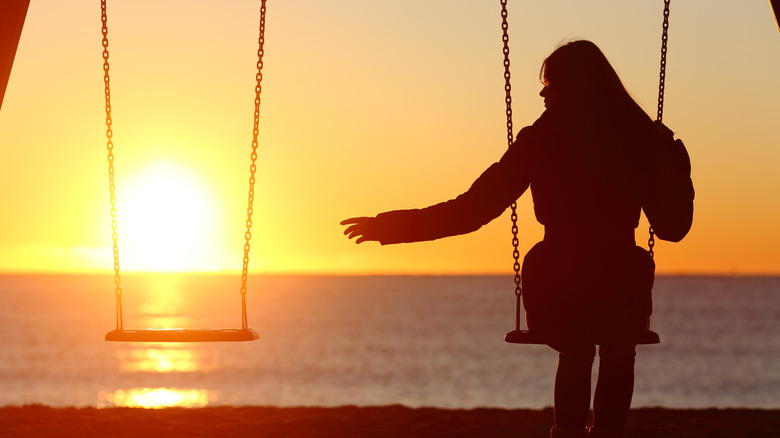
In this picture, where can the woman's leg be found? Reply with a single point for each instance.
(572, 385)
(615, 387)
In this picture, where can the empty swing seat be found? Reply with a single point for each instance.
(181, 335)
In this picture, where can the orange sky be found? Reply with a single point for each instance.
(367, 106)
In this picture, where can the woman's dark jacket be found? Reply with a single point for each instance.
(588, 174)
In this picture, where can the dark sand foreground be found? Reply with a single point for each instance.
(369, 422)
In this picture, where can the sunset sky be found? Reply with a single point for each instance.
(367, 106)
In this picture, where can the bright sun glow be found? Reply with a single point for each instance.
(167, 221)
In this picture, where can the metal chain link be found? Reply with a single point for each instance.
(662, 76)
(510, 140)
(510, 137)
(253, 166)
(661, 89)
(111, 179)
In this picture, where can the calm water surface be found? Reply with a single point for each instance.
(413, 340)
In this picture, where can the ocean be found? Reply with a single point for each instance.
(363, 340)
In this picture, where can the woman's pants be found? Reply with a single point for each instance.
(614, 387)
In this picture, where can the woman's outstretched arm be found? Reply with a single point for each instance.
(495, 190)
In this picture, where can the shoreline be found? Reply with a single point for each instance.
(370, 421)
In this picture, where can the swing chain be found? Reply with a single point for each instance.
(662, 76)
(510, 139)
(661, 89)
(111, 179)
(253, 166)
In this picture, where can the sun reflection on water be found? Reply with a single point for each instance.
(164, 304)
(156, 398)
(164, 359)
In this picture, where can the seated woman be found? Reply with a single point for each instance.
(587, 161)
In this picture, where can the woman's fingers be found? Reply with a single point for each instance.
(357, 228)
(355, 220)
(353, 230)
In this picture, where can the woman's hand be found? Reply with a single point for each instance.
(358, 227)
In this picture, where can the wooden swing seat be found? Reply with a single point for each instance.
(182, 335)
(526, 337)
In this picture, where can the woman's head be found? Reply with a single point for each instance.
(578, 72)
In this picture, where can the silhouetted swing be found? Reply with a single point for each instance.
(519, 335)
(180, 334)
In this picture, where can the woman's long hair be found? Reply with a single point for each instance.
(583, 76)
(619, 131)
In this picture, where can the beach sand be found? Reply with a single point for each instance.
(368, 422)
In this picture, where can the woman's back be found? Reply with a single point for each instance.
(587, 175)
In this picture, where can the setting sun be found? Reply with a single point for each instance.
(168, 219)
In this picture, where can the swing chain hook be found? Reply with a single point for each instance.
(253, 166)
(111, 176)
(661, 89)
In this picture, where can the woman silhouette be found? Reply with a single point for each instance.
(587, 161)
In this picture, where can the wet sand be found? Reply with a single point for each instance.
(364, 422)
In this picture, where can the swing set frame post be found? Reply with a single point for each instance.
(12, 17)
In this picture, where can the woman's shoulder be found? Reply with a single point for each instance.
(561, 119)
